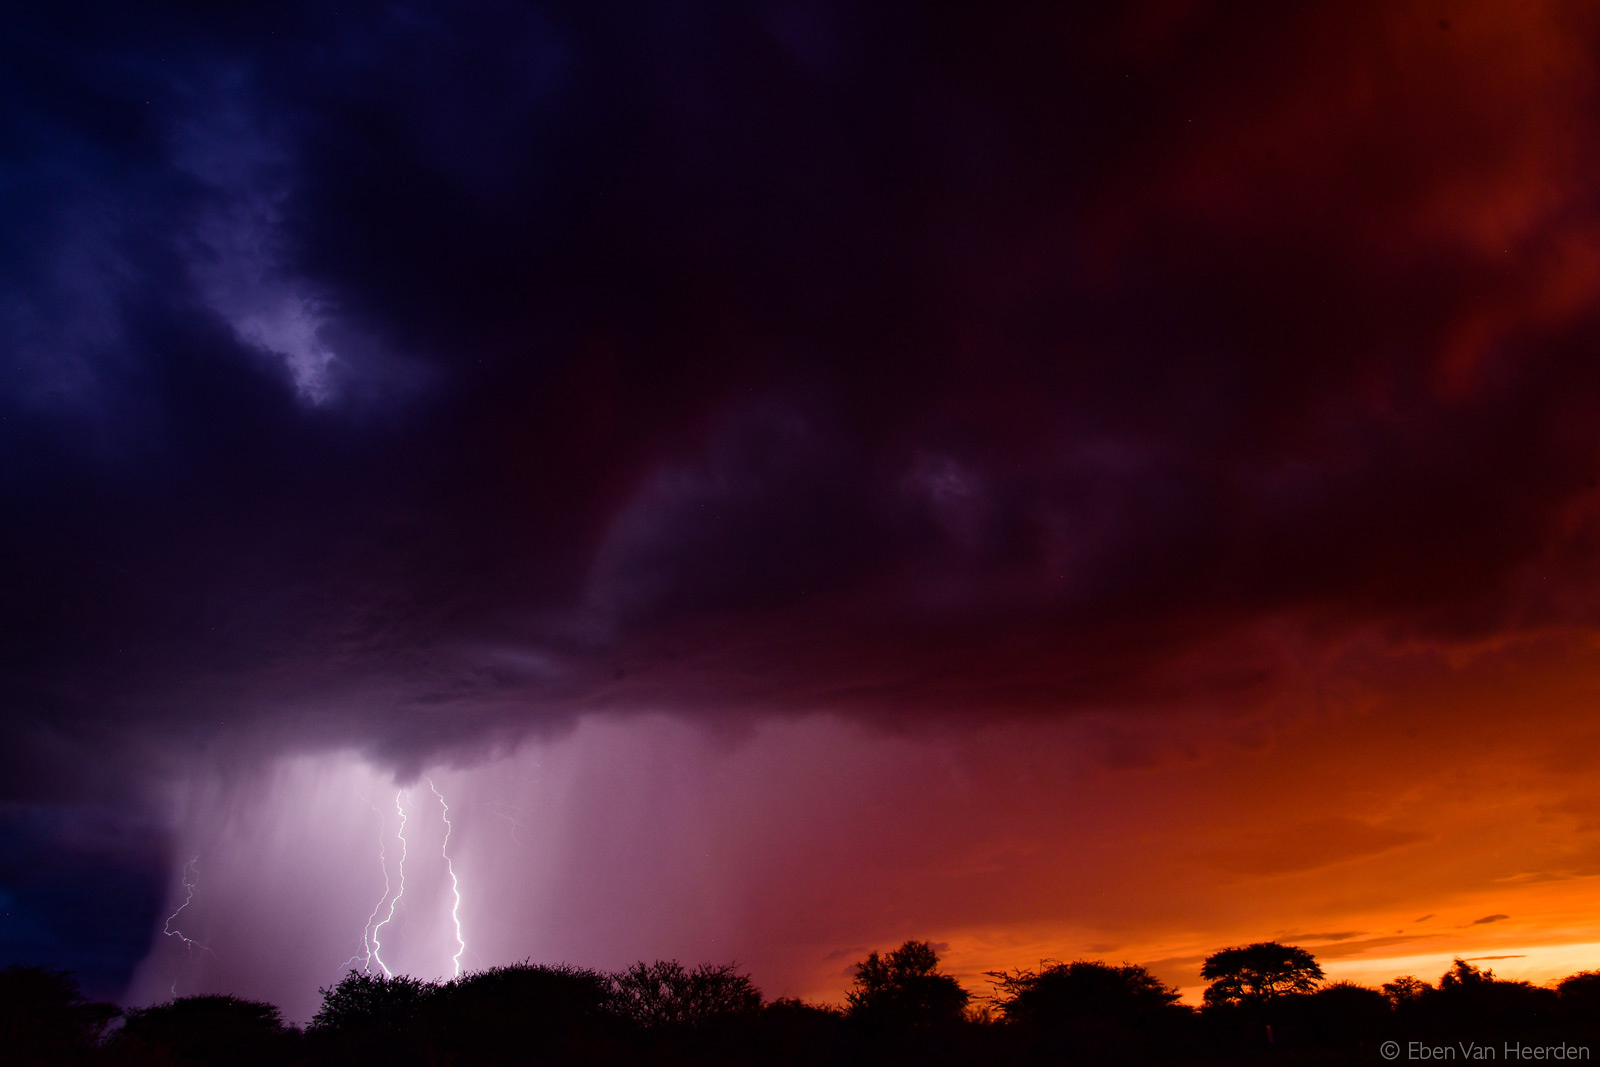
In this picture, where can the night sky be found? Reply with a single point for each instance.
(1052, 480)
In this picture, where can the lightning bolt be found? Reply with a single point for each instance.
(369, 931)
(509, 814)
(189, 943)
(455, 885)
(377, 945)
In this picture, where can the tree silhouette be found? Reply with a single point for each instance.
(1339, 1015)
(371, 1004)
(208, 1029)
(1464, 975)
(1580, 996)
(901, 1008)
(1255, 974)
(1081, 990)
(1406, 989)
(507, 1014)
(44, 1018)
(905, 988)
(794, 1032)
(1470, 1000)
(666, 993)
(1088, 1010)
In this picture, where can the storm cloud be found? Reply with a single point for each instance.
(416, 379)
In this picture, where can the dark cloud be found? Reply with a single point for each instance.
(411, 377)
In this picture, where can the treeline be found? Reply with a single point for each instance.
(1266, 1003)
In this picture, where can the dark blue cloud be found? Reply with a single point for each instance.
(80, 888)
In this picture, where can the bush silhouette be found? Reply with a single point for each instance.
(503, 1014)
(204, 1030)
(1580, 997)
(1341, 1015)
(1405, 990)
(1471, 1001)
(795, 1032)
(665, 993)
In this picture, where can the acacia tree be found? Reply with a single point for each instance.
(904, 987)
(1084, 989)
(1255, 974)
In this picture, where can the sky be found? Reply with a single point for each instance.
(775, 479)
